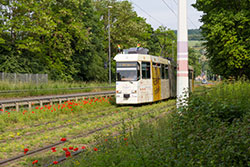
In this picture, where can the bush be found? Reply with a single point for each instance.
(211, 131)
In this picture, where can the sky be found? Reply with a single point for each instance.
(157, 13)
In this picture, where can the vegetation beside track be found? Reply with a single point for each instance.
(78, 122)
(12, 90)
(211, 131)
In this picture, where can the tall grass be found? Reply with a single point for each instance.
(7, 89)
(50, 85)
(211, 131)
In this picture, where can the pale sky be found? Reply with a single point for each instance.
(161, 14)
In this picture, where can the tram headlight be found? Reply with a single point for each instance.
(134, 91)
(118, 91)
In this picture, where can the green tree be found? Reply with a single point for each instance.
(167, 42)
(127, 28)
(90, 60)
(194, 61)
(226, 30)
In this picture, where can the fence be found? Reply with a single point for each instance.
(16, 78)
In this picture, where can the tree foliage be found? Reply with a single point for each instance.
(226, 29)
(69, 39)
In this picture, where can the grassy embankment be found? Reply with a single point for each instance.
(212, 131)
(46, 125)
(8, 90)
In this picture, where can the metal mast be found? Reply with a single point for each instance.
(109, 7)
(182, 53)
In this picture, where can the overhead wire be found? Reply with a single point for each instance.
(169, 7)
(187, 16)
(146, 13)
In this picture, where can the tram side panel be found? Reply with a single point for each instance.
(172, 78)
(156, 82)
(145, 91)
(145, 88)
(165, 85)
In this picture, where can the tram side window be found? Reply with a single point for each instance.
(138, 71)
(163, 76)
(145, 70)
(166, 71)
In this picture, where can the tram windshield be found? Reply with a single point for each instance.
(127, 71)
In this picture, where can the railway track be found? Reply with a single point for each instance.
(63, 158)
(16, 103)
(50, 122)
(83, 119)
(85, 134)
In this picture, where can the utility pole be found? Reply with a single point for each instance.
(172, 50)
(109, 7)
(182, 54)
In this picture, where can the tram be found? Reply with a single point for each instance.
(143, 78)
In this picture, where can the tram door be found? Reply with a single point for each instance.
(156, 81)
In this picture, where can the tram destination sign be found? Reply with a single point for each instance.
(126, 64)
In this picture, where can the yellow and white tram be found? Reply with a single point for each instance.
(142, 78)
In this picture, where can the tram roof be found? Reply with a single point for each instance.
(140, 57)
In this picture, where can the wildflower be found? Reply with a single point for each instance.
(106, 139)
(76, 149)
(65, 149)
(125, 139)
(26, 150)
(83, 147)
(95, 149)
(53, 149)
(67, 154)
(63, 139)
(33, 112)
(71, 148)
(34, 162)
(55, 162)
(37, 107)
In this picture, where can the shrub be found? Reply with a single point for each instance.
(211, 131)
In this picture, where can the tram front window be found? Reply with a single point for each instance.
(127, 75)
(127, 71)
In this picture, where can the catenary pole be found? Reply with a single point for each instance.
(109, 7)
(182, 53)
